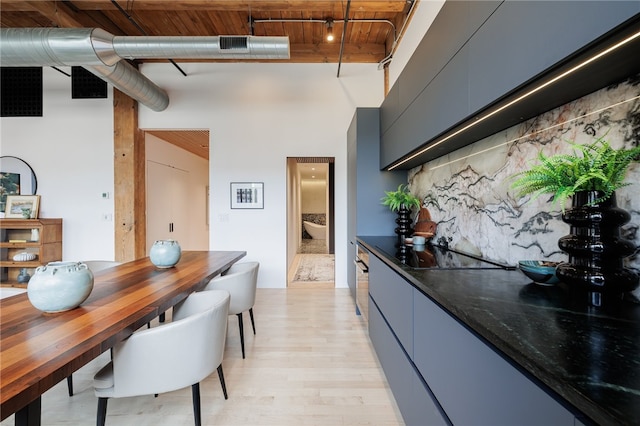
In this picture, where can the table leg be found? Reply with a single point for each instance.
(29, 415)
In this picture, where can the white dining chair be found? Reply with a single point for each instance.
(240, 281)
(11, 291)
(99, 265)
(171, 356)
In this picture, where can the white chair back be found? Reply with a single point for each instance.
(10, 291)
(173, 355)
(99, 265)
(240, 281)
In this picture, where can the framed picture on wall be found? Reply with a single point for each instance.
(22, 206)
(247, 195)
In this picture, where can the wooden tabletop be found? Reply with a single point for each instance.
(38, 350)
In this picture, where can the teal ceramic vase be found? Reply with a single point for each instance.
(165, 253)
(60, 286)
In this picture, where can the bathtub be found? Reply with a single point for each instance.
(317, 232)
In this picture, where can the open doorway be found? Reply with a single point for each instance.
(310, 222)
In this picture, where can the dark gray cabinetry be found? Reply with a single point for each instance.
(473, 383)
(475, 53)
(366, 184)
(390, 330)
(442, 373)
(410, 393)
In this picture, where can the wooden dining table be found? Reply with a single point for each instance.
(38, 350)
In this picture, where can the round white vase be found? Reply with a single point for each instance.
(165, 253)
(60, 286)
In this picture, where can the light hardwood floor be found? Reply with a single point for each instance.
(310, 363)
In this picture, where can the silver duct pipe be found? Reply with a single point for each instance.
(132, 83)
(218, 47)
(40, 47)
(101, 53)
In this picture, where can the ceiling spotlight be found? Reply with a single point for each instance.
(329, 29)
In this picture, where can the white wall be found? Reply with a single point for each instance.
(70, 149)
(314, 196)
(258, 115)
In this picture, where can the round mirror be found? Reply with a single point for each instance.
(16, 178)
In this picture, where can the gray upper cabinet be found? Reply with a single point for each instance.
(477, 53)
(523, 39)
(366, 184)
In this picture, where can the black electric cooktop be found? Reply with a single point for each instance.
(432, 256)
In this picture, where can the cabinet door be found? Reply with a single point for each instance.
(475, 385)
(167, 204)
(394, 297)
(413, 399)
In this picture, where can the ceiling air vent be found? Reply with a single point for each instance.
(233, 42)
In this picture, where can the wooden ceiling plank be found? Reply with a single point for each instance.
(59, 14)
(388, 6)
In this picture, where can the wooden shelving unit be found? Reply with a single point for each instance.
(16, 237)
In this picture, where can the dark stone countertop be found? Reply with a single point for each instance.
(588, 358)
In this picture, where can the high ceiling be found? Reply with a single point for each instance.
(371, 28)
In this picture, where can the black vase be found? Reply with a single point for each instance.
(404, 229)
(596, 250)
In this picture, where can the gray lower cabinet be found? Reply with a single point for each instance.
(472, 382)
(411, 394)
(442, 373)
(391, 332)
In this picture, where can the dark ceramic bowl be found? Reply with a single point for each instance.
(541, 272)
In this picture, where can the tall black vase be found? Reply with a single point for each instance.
(596, 250)
(404, 221)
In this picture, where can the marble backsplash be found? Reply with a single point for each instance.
(468, 191)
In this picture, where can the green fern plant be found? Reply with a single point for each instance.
(599, 168)
(395, 199)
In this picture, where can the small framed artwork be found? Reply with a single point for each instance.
(247, 195)
(22, 206)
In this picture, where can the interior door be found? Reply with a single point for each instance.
(167, 204)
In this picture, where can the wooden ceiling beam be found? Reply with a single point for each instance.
(58, 13)
(387, 6)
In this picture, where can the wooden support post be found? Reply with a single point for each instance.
(129, 180)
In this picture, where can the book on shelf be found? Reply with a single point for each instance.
(17, 241)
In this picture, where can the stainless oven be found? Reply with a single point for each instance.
(362, 281)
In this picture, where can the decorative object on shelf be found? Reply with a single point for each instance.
(23, 276)
(60, 286)
(596, 250)
(16, 178)
(401, 201)
(24, 257)
(17, 205)
(165, 253)
(35, 235)
(424, 226)
(540, 271)
(247, 195)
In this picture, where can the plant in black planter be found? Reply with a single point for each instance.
(590, 176)
(401, 201)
